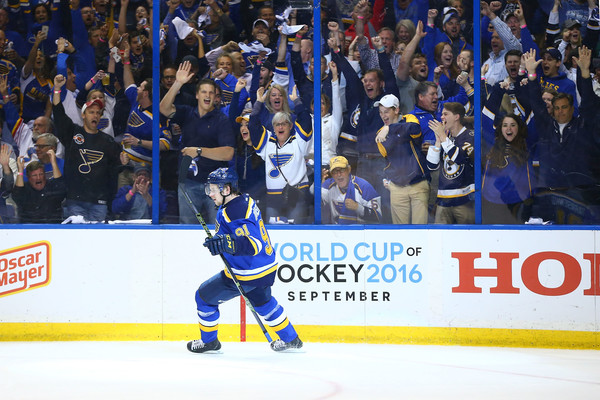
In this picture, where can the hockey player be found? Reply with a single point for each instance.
(242, 239)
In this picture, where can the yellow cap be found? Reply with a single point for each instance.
(242, 118)
(338, 162)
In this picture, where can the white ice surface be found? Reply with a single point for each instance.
(166, 370)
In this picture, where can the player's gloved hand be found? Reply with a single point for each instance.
(220, 244)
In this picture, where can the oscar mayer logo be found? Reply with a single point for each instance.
(25, 267)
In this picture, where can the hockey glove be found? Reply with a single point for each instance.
(220, 244)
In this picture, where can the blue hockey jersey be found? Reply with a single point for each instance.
(254, 262)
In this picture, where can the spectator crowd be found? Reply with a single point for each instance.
(237, 79)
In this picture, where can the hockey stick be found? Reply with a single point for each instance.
(185, 164)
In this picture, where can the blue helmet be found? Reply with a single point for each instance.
(221, 176)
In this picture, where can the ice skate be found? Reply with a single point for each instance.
(280, 345)
(198, 346)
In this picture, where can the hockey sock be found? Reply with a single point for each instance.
(208, 320)
(275, 316)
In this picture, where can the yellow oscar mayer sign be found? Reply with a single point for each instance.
(24, 267)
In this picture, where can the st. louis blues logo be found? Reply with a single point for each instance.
(451, 169)
(103, 123)
(79, 139)
(279, 161)
(89, 157)
(135, 120)
(354, 117)
(250, 60)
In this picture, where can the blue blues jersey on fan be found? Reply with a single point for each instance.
(139, 125)
(254, 262)
(455, 162)
(36, 92)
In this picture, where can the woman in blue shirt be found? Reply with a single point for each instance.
(508, 179)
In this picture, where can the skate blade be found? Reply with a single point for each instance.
(300, 350)
(208, 352)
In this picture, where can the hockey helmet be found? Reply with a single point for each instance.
(221, 176)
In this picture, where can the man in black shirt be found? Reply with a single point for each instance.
(39, 200)
(91, 159)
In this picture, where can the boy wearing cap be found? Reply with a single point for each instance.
(449, 33)
(351, 200)
(406, 174)
(92, 158)
(262, 33)
(552, 77)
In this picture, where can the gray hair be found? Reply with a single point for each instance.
(50, 138)
(281, 117)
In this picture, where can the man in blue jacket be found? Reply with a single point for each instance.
(552, 77)
(568, 147)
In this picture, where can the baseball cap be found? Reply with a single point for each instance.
(268, 65)
(389, 100)
(571, 23)
(192, 59)
(507, 16)
(241, 118)
(260, 20)
(95, 102)
(338, 162)
(450, 12)
(553, 52)
(142, 167)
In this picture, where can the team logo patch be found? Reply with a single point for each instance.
(451, 169)
(89, 157)
(354, 117)
(79, 139)
(103, 123)
(279, 161)
(135, 120)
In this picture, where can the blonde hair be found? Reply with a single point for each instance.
(408, 25)
(285, 103)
